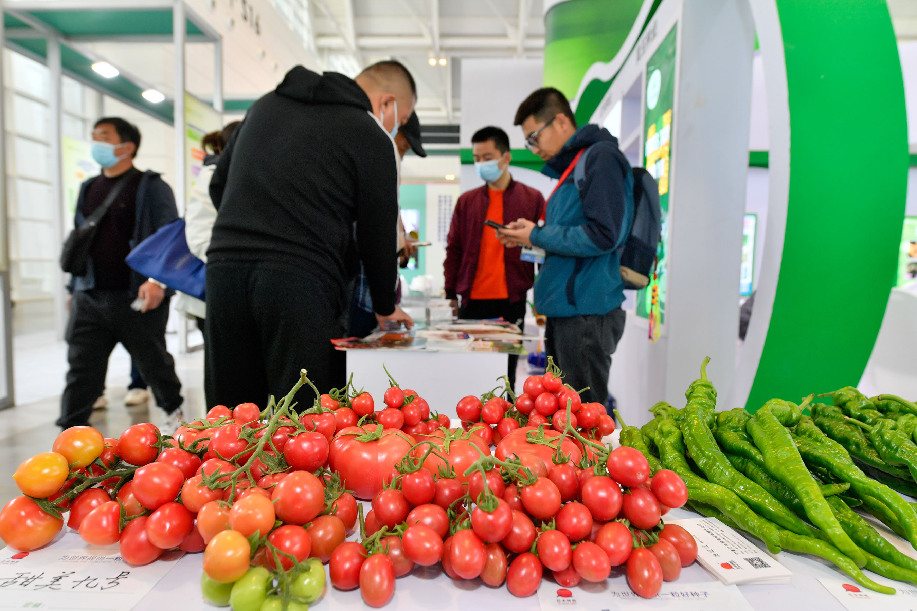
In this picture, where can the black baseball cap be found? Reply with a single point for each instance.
(411, 131)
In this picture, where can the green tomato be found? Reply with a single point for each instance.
(214, 592)
(275, 603)
(309, 584)
(249, 593)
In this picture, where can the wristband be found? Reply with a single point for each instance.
(157, 283)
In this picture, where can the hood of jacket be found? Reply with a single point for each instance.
(584, 137)
(310, 87)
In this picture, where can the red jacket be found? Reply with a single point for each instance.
(464, 241)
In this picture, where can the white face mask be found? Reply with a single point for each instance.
(394, 131)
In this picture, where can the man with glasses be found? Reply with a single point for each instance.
(579, 288)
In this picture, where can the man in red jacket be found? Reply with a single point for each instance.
(490, 279)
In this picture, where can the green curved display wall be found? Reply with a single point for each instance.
(848, 182)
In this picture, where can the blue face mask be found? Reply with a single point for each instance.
(104, 154)
(394, 131)
(488, 171)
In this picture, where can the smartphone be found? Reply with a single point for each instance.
(494, 224)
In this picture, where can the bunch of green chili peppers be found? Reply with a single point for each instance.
(790, 474)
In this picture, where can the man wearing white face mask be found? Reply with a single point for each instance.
(490, 279)
(311, 159)
(104, 302)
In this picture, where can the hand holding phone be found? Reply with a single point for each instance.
(494, 224)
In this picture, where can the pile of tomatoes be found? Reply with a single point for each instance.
(268, 496)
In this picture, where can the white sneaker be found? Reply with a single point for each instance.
(136, 396)
(101, 403)
(171, 422)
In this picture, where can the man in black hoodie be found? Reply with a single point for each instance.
(312, 158)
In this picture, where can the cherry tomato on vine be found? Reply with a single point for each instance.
(306, 451)
(226, 558)
(495, 565)
(100, 526)
(644, 573)
(363, 404)
(298, 498)
(492, 526)
(541, 499)
(80, 445)
(468, 409)
(602, 496)
(422, 545)
(522, 534)
(575, 521)
(137, 444)
(157, 483)
(25, 526)
(292, 540)
(419, 487)
(431, 515)
(42, 475)
(252, 514)
(393, 397)
(168, 526)
(391, 418)
(135, 545)
(213, 518)
(668, 559)
(591, 562)
(85, 501)
(466, 554)
(641, 508)
(344, 565)
(390, 507)
(345, 508)
(524, 575)
(533, 386)
(245, 413)
(394, 549)
(377, 579)
(684, 542)
(616, 541)
(554, 550)
(326, 533)
(669, 488)
(628, 466)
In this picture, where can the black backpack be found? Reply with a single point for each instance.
(638, 252)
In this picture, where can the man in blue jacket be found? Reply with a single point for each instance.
(579, 287)
(111, 303)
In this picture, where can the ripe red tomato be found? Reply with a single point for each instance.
(85, 501)
(292, 540)
(100, 526)
(212, 518)
(431, 515)
(187, 462)
(668, 559)
(522, 534)
(344, 565)
(492, 526)
(591, 562)
(533, 386)
(25, 526)
(245, 413)
(461, 453)
(391, 418)
(418, 487)
(298, 498)
(217, 412)
(307, 451)
(366, 457)
(327, 423)
(554, 550)
(494, 483)
(641, 508)
(644, 573)
(683, 541)
(507, 426)
(516, 443)
(168, 526)
(345, 507)
(377, 579)
(568, 395)
(484, 431)
(466, 554)
(616, 541)
(411, 414)
(628, 466)
(157, 483)
(390, 507)
(329, 402)
(606, 425)
(80, 445)
(448, 491)
(194, 494)
(541, 499)
(602, 496)
(669, 488)
(495, 565)
(393, 397)
(363, 404)
(135, 545)
(394, 549)
(129, 502)
(564, 477)
(252, 514)
(492, 411)
(468, 409)
(193, 543)
(546, 404)
(137, 444)
(423, 545)
(344, 418)
(326, 533)
(575, 521)
(524, 575)
(567, 578)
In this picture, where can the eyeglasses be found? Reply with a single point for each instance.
(531, 141)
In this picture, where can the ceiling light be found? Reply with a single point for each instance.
(152, 96)
(105, 69)
(442, 61)
(432, 61)
(450, 176)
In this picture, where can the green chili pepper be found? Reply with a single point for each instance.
(672, 455)
(663, 410)
(730, 433)
(807, 545)
(632, 437)
(894, 403)
(817, 449)
(883, 567)
(892, 445)
(899, 484)
(907, 424)
(855, 404)
(868, 538)
(846, 431)
(881, 512)
(716, 467)
(767, 428)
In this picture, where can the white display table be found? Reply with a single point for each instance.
(441, 378)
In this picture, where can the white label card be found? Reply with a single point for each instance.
(855, 597)
(616, 594)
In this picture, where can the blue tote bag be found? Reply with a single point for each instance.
(164, 256)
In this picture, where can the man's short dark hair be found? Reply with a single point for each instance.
(127, 132)
(388, 69)
(499, 137)
(544, 104)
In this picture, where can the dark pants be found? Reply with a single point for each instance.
(137, 380)
(582, 347)
(98, 320)
(266, 322)
(511, 311)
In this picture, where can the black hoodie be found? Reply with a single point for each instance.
(308, 162)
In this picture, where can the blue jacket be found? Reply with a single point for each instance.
(155, 208)
(583, 231)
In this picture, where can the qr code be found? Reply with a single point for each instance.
(757, 563)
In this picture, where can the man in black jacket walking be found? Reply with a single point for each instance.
(313, 157)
